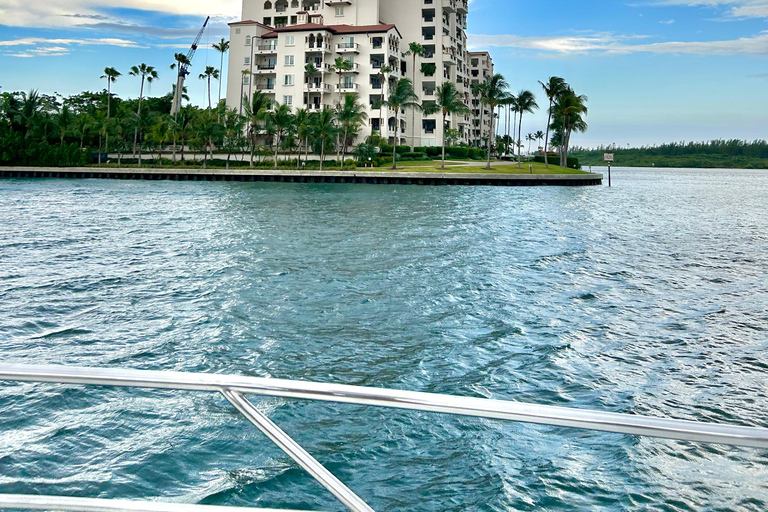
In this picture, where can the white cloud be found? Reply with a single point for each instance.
(615, 44)
(60, 13)
(736, 8)
(42, 47)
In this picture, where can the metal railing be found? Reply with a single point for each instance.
(234, 389)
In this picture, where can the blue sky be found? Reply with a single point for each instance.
(654, 70)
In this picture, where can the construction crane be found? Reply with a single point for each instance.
(184, 70)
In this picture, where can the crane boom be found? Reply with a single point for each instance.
(184, 69)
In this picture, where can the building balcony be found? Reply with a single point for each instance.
(449, 6)
(265, 87)
(348, 48)
(318, 48)
(318, 88)
(348, 88)
(315, 107)
(265, 69)
(264, 49)
(462, 6)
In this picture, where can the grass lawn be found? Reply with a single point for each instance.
(496, 168)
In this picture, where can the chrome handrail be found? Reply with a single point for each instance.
(69, 504)
(234, 387)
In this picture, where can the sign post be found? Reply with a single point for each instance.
(610, 158)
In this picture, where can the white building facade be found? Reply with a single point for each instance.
(276, 39)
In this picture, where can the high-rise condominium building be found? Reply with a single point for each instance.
(276, 40)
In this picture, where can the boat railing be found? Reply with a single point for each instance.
(235, 389)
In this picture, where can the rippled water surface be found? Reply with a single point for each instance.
(648, 298)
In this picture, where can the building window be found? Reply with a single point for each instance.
(268, 21)
(339, 10)
(237, 31)
(288, 80)
(288, 100)
(289, 60)
(246, 80)
(290, 41)
(247, 61)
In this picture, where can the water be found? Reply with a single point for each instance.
(648, 298)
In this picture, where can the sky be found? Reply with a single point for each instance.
(654, 70)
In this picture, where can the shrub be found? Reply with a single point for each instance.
(415, 157)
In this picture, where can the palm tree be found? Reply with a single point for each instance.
(243, 99)
(222, 47)
(233, 131)
(554, 87)
(208, 130)
(539, 135)
(511, 103)
(414, 50)
(63, 121)
(111, 74)
(493, 91)
(402, 97)
(209, 73)
(383, 72)
(569, 109)
(160, 133)
(530, 138)
(148, 75)
(255, 112)
(281, 120)
(302, 120)
(140, 121)
(350, 116)
(449, 101)
(340, 66)
(29, 110)
(526, 102)
(323, 128)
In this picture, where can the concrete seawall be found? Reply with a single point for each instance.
(261, 175)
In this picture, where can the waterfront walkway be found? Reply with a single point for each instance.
(374, 177)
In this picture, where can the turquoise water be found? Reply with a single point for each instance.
(648, 298)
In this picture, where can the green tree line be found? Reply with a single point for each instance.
(733, 153)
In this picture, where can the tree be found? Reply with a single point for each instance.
(511, 103)
(350, 115)
(492, 92)
(414, 50)
(111, 74)
(310, 70)
(383, 72)
(208, 130)
(530, 138)
(324, 129)
(29, 110)
(569, 110)
(209, 73)
(400, 98)
(281, 120)
(148, 75)
(141, 121)
(539, 136)
(255, 112)
(222, 47)
(160, 132)
(554, 87)
(63, 121)
(448, 101)
(340, 66)
(526, 102)
(302, 121)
